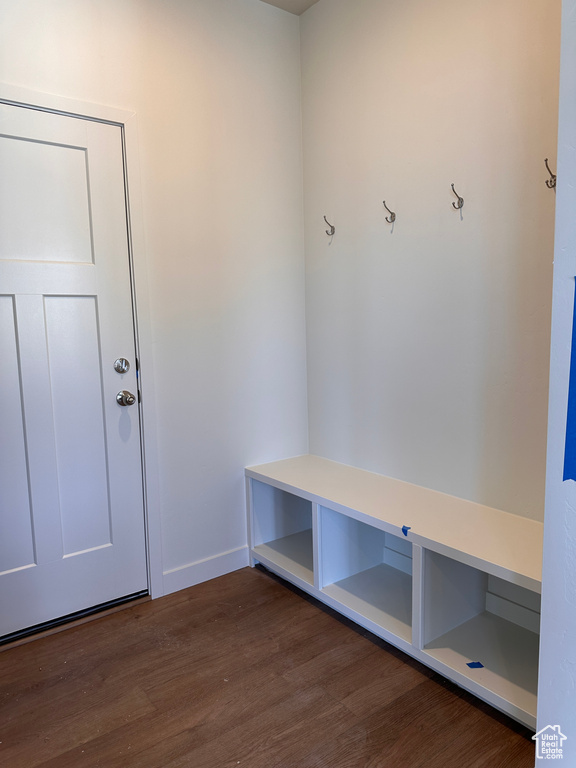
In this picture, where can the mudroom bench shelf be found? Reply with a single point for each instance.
(453, 583)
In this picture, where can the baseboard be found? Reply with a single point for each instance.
(204, 570)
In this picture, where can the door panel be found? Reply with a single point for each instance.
(39, 430)
(71, 505)
(76, 385)
(44, 196)
(16, 549)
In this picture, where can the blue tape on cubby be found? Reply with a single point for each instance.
(570, 446)
(475, 665)
(405, 529)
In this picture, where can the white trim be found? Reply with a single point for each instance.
(146, 358)
(195, 573)
(86, 109)
(128, 120)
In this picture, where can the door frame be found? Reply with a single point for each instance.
(128, 122)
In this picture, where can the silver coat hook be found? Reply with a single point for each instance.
(392, 218)
(551, 182)
(332, 229)
(460, 202)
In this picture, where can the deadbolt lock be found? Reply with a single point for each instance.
(125, 398)
(121, 365)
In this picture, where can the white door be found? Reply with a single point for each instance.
(71, 504)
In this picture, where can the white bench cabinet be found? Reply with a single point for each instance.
(450, 582)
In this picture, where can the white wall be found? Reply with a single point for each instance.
(428, 345)
(557, 683)
(216, 87)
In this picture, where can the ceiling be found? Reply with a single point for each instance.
(293, 6)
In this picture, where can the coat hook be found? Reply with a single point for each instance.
(460, 202)
(332, 229)
(392, 217)
(551, 182)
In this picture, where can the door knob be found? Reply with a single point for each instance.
(125, 398)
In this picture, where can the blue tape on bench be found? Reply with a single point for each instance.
(475, 665)
(405, 529)
(570, 446)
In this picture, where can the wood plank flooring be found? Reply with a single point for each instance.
(240, 671)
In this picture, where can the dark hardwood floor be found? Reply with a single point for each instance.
(239, 671)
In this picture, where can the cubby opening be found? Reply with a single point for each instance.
(367, 570)
(282, 531)
(471, 617)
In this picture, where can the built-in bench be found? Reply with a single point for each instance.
(453, 583)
